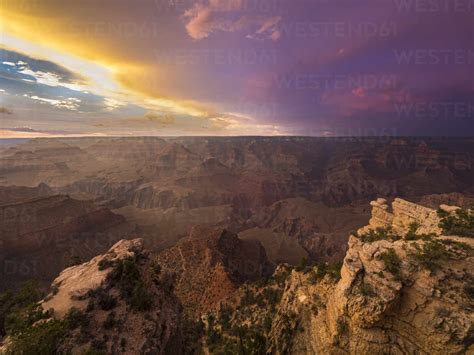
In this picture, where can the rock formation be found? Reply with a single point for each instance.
(118, 302)
(400, 296)
(237, 178)
(211, 264)
(404, 288)
(401, 215)
(41, 235)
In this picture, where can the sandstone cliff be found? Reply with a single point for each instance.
(119, 302)
(211, 264)
(398, 294)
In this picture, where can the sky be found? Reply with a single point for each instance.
(236, 67)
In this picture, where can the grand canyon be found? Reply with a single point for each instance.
(237, 245)
(237, 177)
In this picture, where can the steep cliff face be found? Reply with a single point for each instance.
(405, 294)
(404, 288)
(41, 236)
(211, 264)
(119, 302)
(401, 215)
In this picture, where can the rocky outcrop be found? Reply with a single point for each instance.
(211, 264)
(400, 215)
(118, 302)
(395, 296)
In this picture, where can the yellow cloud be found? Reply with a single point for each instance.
(105, 74)
(87, 39)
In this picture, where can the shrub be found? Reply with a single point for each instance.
(105, 301)
(302, 265)
(253, 343)
(126, 276)
(366, 290)
(104, 264)
(225, 315)
(155, 268)
(247, 299)
(430, 256)
(391, 261)
(342, 327)
(15, 303)
(379, 234)
(17, 322)
(76, 318)
(192, 331)
(323, 269)
(42, 338)
(458, 246)
(411, 234)
(267, 324)
(110, 321)
(141, 299)
(469, 290)
(273, 296)
(461, 222)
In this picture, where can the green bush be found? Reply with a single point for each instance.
(366, 290)
(155, 268)
(247, 299)
(76, 318)
(13, 304)
(379, 234)
(430, 255)
(141, 299)
(461, 222)
(302, 265)
(323, 269)
(342, 327)
(272, 295)
(105, 301)
(42, 338)
(469, 291)
(126, 276)
(110, 321)
(104, 264)
(225, 315)
(391, 261)
(17, 322)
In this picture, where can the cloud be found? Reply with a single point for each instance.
(162, 118)
(218, 15)
(347, 103)
(5, 111)
(22, 129)
(70, 103)
(47, 78)
(112, 104)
